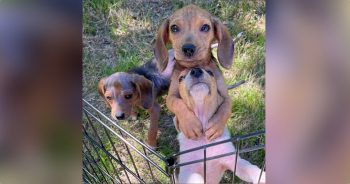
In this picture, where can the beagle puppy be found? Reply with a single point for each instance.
(191, 31)
(124, 92)
(199, 92)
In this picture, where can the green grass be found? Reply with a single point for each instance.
(118, 35)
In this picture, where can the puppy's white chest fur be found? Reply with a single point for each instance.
(199, 92)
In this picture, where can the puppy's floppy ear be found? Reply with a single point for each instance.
(145, 89)
(101, 89)
(176, 123)
(160, 50)
(225, 44)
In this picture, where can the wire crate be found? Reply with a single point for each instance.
(111, 154)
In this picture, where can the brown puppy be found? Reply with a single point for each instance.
(191, 31)
(123, 92)
(199, 92)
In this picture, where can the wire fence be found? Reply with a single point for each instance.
(111, 154)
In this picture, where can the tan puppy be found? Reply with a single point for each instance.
(191, 31)
(198, 89)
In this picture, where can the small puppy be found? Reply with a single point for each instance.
(191, 31)
(123, 92)
(198, 90)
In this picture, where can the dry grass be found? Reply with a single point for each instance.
(118, 35)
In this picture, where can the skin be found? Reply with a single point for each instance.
(189, 21)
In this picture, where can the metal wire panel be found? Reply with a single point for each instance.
(111, 154)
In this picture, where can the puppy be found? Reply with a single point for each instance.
(198, 90)
(191, 31)
(124, 92)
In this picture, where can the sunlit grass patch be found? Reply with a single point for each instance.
(248, 109)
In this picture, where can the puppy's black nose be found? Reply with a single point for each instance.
(196, 72)
(121, 116)
(188, 49)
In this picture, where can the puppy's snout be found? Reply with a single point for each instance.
(120, 116)
(196, 72)
(188, 49)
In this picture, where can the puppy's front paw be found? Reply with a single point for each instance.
(133, 118)
(214, 130)
(133, 115)
(190, 125)
(153, 146)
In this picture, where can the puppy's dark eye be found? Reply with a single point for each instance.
(174, 28)
(128, 96)
(205, 28)
(181, 78)
(210, 73)
(109, 98)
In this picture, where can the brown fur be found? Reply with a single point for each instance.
(213, 99)
(120, 84)
(189, 21)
